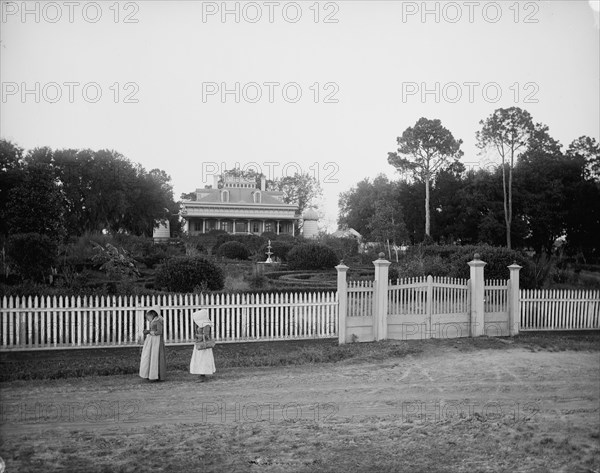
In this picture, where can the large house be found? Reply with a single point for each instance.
(239, 206)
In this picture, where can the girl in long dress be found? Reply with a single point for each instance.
(202, 362)
(153, 364)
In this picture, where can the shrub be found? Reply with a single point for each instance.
(32, 254)
(498, 259)
(233, 250)
(185, 274)
(344, 248)
(269, 236)
(251, 242)
(312, 256)
(419, 264)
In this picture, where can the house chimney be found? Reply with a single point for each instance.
(263, 183)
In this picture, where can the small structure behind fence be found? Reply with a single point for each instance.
(83, 322)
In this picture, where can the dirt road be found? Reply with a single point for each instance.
(518, 386)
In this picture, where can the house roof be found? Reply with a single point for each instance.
(349, 233)
(241, 196)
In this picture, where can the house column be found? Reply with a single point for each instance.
(218, 224)
(293, 228)
(233, 226)
(277, 227)
(249, 232)
(203, 225)
(263, 226)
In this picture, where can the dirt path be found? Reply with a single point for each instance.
(516, 384)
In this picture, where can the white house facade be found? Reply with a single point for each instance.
(239, 206)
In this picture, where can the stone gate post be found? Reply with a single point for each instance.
(477, 296)
(380, 299)
(514, 302)
(342, 293)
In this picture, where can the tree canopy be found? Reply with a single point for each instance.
(424, 150)
(71, 192)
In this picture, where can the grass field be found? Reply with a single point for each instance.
(525, 404)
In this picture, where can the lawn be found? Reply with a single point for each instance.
(530, 403)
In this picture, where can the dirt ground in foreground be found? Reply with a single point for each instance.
(443, 410)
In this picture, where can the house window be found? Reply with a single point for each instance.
(225, 226)
(257, 197)
(240, 227)
(224, 196)
(197, 225)
(255, 227)
(269, 227)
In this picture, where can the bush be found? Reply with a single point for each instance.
(251, 242)
(345, 248)
(312, 256)
(185, 274)
(498, 259)
(234, 250)
(32, 254)
(417, 265)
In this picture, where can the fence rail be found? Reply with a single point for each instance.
(77, 322)
(560, 310)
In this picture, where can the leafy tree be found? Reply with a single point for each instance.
(300, 189)
(357, 206)
(589, 149)
(35, 204)
(507, 131)
(386, 224)
(424, 150)
(583, 218)
(11, 168)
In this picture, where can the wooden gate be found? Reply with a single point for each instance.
(420, 308)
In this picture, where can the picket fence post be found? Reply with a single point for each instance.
(477, 296)
(140, 323)
(342, 292)
(514, 305)
(380, 300)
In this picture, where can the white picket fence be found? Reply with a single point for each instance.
(34, 323)
(360, 298)
(78, 322)
(560, 310)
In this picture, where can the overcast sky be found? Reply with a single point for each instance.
(192, 87)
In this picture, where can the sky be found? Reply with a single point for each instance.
(325, 88)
